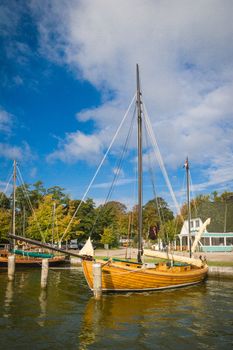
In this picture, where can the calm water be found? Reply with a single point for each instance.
(67, 317)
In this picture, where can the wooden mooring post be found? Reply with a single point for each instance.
(11, 267)
(97, 281)
(44, 273)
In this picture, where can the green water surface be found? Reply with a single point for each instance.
(67, 317)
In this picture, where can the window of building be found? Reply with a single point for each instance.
(205, 240)
(229, 240)
(185, 240)
(197, 223)
(217, 241)
(191, 224)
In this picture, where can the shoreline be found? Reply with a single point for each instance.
(132, 253)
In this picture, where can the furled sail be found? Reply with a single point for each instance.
(183, 259)
(87, 249)
(199, 234)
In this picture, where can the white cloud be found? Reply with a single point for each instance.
(118, 172)
(33, 172)
(130, 202)
(10, 152)
(22, 153)
(18, 80)
(77, 146)
(185, 52)
(5, 121)
(120, 182)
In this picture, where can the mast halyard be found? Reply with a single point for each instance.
(188, 205)
(139, 168)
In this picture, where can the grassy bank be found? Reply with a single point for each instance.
(221, 263)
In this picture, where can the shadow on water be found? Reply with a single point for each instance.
(66, 316)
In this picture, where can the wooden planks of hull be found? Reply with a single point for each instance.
(127, 277)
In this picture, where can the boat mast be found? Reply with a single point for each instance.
(139, 168)
(188, 204)
(14, 200)
(53, 221)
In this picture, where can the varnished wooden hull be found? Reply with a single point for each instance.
(124, 276)
(23, 261)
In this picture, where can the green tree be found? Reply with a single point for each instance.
(86, 218)
(155, 213)
(23, 198)
(5, 223)
(169, 231)
(108, 237)
(4, 201)
(218, 207)
(58, 194)
(37, 193)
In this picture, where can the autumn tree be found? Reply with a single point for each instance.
(41, 225)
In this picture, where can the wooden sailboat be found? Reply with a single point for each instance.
(122, 276)
(26, 255)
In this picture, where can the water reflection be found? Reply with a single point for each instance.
(91, 325)
(66, 316)
(8, 298)
(180, 313)
(43, 307)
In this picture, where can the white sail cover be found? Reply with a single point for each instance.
(199, 234)
(87, 249)
(180, 258)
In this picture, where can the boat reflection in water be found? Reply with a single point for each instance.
(140, 314)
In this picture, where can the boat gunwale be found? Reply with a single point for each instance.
(157, 272)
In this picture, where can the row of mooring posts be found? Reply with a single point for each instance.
(44, 270)
(97, 275)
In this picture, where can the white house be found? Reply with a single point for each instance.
(210, 241)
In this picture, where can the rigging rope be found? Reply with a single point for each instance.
(6, 188)
(118, 169)
(30, 204)
(159, 158)
(153, 185)
(193, 195)
(99, 167)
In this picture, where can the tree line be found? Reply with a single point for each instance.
(47, 214)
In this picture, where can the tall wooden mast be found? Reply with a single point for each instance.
(188, 205)
(139, 167)
(53, 221)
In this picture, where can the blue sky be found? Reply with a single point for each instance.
(68, 75)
